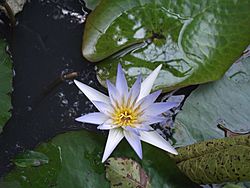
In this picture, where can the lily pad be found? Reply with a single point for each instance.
(226, 100)
(5, 84)
(195, 41)
(123, 172)
(75, 161)
(30, 158)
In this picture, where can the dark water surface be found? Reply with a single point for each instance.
(45, 43)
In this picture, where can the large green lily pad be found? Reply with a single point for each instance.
(5, 84)
(195, 41)
(226, 100)
(75, 161)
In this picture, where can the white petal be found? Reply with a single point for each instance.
(115, 136)
(111, 89)
(107, 125)
(147, 101)
(159, 108)
(134, 91)
(94, 118)
(121, 82)
(148, 83)
(152, 137)
(91, 93)
(114, 95)
(134, 142)
(103, 107)
(134, 130)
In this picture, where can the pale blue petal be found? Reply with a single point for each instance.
(159, 108)
(153, 138)
(94, 118)
(148, 120)
(116, 98)
(91, 93)
(115, 136)
(103, 107)
(143, 127)
(148, 83)
(131, 129)
(134, 91)
(134, 141)
(121, 82)
(148, 100)
(111, 89)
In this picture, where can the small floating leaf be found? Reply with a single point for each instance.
(31, 158)
(5, 84)
(124, 173)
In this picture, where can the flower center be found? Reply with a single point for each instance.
(124, 117)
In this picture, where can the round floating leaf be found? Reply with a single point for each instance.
(225, 100)
(216, 161)
(5, 84)
(75, 161)
(195, 41)
(124, 172)
(30, 158)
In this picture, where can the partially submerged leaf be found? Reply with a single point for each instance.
(31, 158)
(5, 84)
(216, 161)
(195, 41)
(124, 173)
(227, 99)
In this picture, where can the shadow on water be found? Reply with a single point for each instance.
(45, 43)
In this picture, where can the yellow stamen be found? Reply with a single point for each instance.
(124, 117)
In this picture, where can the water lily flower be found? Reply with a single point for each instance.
(128, 112)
